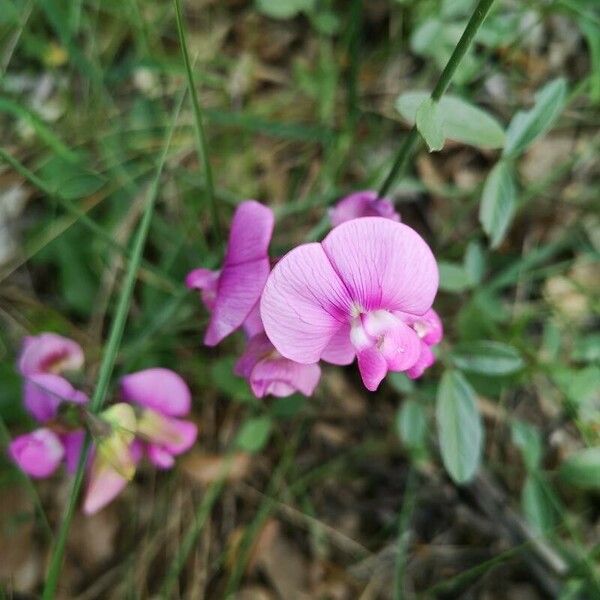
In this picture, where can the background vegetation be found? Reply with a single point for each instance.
(346, 494)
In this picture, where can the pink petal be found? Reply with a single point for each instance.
(429, 328)
(303, 304)
(253, 323)
(257, 348)
(340, 350)
(38, 453)
(73, 444)
(373, 367)
(44, 392)
(250, 235)
(383, 264)
(160, 389)
(362, 204)
(426, 359)
(400, 347)
(282, 377)
(49, 353)
(174, 435)
(239, 290)
(105, 484)
(207, 282)
(160, 457)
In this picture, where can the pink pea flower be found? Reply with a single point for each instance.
(164, 396)
(354, 294)
(430, 330)
(232, 294)
(268, 372)
(38, 453)
(362, 204)
(49, 353)
(45, 392)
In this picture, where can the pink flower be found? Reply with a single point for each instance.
(164, 395)
(45, 392)
(268, 372)
(38, 453)
(232, 293)
(49, 353)
(354, 294)
(430, 330)
(362, 204)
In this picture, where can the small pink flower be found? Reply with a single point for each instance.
(164, 395)
(268, 372)
(354, 294)
(362, 204)
(38, 453)
(45, 392)
(232, 293)
(49, 353)
(430, 330)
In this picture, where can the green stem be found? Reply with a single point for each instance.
(202, 147)
(106, 368)
(354, 55)
(405, 151)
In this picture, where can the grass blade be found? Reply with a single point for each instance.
(106, 369)
(202, 145)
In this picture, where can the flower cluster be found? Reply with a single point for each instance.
(365, 292)
(147, 421)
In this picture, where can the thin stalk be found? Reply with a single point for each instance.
(354, 55)
(202, 145)
(404, 518)
(106, 368)
(405, 151)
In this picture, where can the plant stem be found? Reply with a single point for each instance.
(106, 368)
(202, 145)
(405, 151)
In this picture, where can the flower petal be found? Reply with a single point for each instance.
(426, 359)
(340, 350)
(104, 485)
(429, 328)
(400, 347)
(257, 348)
(282, 377)
(160, 457)
(303, 304)
(160, 389)
(239, 290)
(250, 235)
(73, 444)
(383, 264)
(174, 435)
(37, 453)
(362, 204)
(253, 323)
(373, 367)
(49, 353)
(207, 282)
(44, 392)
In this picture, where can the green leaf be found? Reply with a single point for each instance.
(536, 500)
(411, 425)
(498, 203)
(288, 407)
(474, 263)
(453, 277)
(430, 124)
(226, 382)
(283, 9)
(463, 122)
(460, 429)
(587, 349)
(254, 434)
(487, 358)
(71, 180)
(400, 382)
(582, 469)
(527, 126)
(527, 438)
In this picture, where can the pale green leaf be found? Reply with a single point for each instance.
(498, 203)
(430, 124)
(254, 434)
(460, 429)
(487, 358)
(582, 469)
(463, 122)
